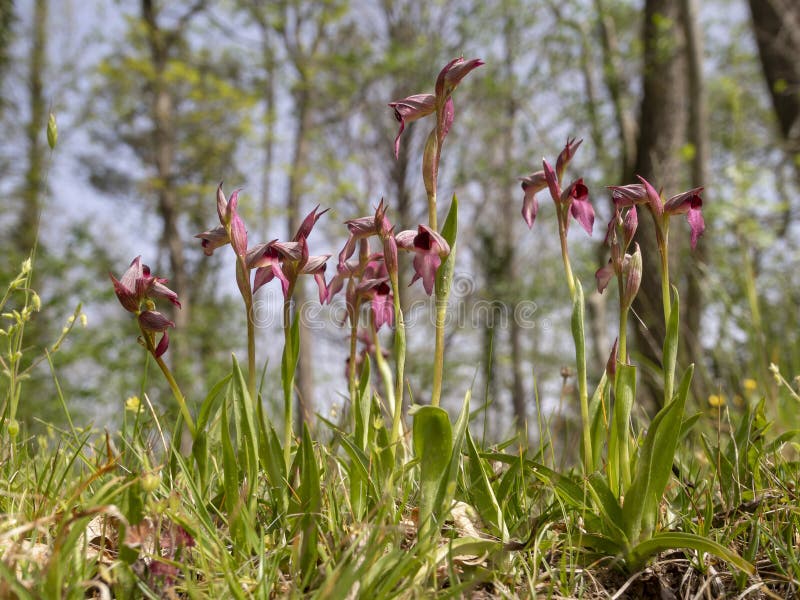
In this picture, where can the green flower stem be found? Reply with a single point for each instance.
(351, 373)
(663, 247)
(383, 366)
(400, 360)
(247, 296)
(288, 386)
(173, 385)
(438, 356)
(562, 233)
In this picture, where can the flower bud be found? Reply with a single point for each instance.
(632, 274)
(630, 224)
(429, 163)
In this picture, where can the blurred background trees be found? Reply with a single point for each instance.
(158, 102)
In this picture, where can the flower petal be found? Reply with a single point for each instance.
(308, 223)
(410, 109)
(566, 155)
(697, 224)
(603, 276)
(552, 181)
(154, 321)
(425, 266)
(213, 239)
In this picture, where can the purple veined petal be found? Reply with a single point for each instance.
(448, 115)
(531, 185)
(154, 321)
(163, 344)
(222, 206)
(308, 223)
(565, 156)
(315, 264)
(653, 197)
(126, 297)
(158, 290)
(603, 275)
(453, 72)
(630, 224)
(405, 239)
(429, 241)
(552, 181)
(213, 239)
(580, 207)
(319, 278)
(530, 206)
(238, 234)
(133, 275)
(362, 226)
(696, 223)
(583, 212)
(611, 230)
(425, 266)
(410, 109)
(682, 203)
(628, 195)
(383, 306)
(263, 276)
(348, 250)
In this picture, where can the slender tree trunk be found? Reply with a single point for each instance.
(697, 134)
(777, 28)
(163, 115)
(25, 234)
(297, 172)
(662, 130)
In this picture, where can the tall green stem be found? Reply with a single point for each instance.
(562, 234)
(176, 391)
(288, 386)
(663, 247)
(400, 359)
(247, 296)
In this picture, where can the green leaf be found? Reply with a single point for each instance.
(598, 408)
(211, 401)
(444, 274)
(671, 347)
(481, 492)
(676, 539)
(447, 486)
(249, 434)
(310, 493)
(433, 446)
(450, 227)
(609, 508)
(362, 407)
(655, 466)
(619, 460)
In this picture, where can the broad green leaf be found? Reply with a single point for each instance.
(609, 508)
(619, 460)
(655, 466)
(598, 417)
(433, 446)
(676, 539)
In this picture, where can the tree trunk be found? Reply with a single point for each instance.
(163, 115)
(297, 171)
(698, 137)
(777, 29)
(662, 127)
(25, 234)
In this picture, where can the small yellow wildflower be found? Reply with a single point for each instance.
(133, 404)
(84, 320)
(716, 400)
(749, 384)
